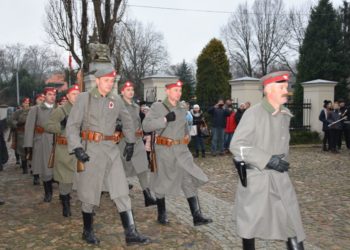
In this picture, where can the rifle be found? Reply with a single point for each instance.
(52, 154)
(80, 81)
(152, 156)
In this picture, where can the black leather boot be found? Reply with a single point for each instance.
(248, 244)
(65, 200)
(293, 244)
(48, 191)
(131, 234)
(203, 153)
(149, 199)
(196, 155)
(36, 181)
(24, 167)
(198, 218)
(88, 232)
(162, 216)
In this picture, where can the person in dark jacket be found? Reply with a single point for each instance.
(334, 130)
(327, 105)
(239, 113)
(219, 115)
(344, 112)
(198, 121)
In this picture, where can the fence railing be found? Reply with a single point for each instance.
(301, 112)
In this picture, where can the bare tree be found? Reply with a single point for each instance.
(139, 51)
(238, 39)
(70, 22)
(272, 31)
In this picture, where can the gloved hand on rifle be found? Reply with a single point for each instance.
(170, 117)
(128, 151)
(81, 155)
(64, 122)
(276, 163)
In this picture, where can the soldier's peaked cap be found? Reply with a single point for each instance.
(106, 70)
(275, 77)
(126, 85)
(172, 85)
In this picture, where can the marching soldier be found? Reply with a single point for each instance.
(17, 122)
(39, 98)
(39, 142)
(65, 164)
(176, 169)
(91, 136)
(267, 205)
(139, 163)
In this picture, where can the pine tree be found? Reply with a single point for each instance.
(212, 74)
(185, 74)
(321, 51)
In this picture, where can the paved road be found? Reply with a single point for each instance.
(322, 182)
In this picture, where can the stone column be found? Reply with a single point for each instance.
(317, 91)
(154, 86)
(246, 89)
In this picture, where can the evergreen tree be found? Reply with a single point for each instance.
(184, 72)
(321, 52)
(212, 74)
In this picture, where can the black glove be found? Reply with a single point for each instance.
(276, 163)
(128, 151)
(119, 127)
(81, 155)
(170, 117)
(64, 122)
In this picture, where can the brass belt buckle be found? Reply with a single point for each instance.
(97, 137)
(169, 142)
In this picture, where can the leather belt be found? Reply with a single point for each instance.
(97, 136)
(39, 130)
(61, 140)
(160, 140)
(20, 129)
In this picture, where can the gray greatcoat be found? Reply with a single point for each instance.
(104, 170)
(267, 208)
(65, 164)
(41, 143)
(139, 162)
(172, 161)
(17, 120)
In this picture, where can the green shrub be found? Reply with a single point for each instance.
(304, 137)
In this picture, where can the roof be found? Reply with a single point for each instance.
(246, 78)
(319, 81)
(160, 76)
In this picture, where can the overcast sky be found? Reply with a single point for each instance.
(185, 32)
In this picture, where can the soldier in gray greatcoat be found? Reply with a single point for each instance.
(139, 163)
(37, 140)
(176, 169)
(65, 164)
(17, 122)
(91, 136)
(267, 207)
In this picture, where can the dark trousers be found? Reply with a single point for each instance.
(334, 138)
(198, 143)
(326, 139)
(346, 134)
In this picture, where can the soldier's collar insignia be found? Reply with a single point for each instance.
(111, 105)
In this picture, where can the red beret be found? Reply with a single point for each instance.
(40, 95)
(49, 89)
(126, 84)
(279, 76)
(172, 85)
(74, 87)
(26, 100)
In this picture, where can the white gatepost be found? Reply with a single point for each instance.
(154, 86)
(317, 91)
(246, 89)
